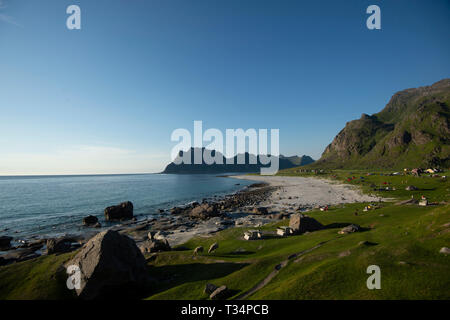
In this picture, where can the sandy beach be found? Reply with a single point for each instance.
(291, 195)
(301, 192)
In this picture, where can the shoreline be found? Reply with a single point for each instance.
(269, 199)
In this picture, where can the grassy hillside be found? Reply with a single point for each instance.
(403, 240)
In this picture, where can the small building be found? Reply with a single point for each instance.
(284, 231)
(252, 235)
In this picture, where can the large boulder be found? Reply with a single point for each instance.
(122, 211)
(111, 265)
(5, 242)
(300, 223)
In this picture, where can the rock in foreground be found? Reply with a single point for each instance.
(111, 265)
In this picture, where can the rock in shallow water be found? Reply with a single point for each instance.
(120, 212)
(90, 221)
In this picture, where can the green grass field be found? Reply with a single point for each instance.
(403, 240)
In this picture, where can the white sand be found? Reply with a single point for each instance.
(307, 192)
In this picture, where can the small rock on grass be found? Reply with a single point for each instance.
(350, 229)
(445, 250)
(213, 247)
(220, 293)
(198, 250)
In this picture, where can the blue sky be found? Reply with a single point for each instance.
(106, 98)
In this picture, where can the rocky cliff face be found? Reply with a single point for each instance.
(412, 130)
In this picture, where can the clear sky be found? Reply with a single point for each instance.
(106, 98)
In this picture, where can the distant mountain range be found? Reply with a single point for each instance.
(284, 163)
(411, 131)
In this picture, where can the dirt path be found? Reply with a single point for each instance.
(277, 269)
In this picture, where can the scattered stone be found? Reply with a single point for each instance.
(36, 245)
(344, 254)
(445, 250)
(213, 247)
(160, 235)
(252, 235)
(300, 223)
(119, 212)
(90, 221)
(411, 188)
(210, 288)
(284, 231)
(204, 211)
(350, 229)
(260, 210)
(176, 210)
(58, 245)
(5, 242)
(220, 293)
(198, 250)
(110, 263)
(155, 245)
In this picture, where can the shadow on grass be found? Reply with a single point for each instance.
(337, 225)
(241, 253)
(169, 276)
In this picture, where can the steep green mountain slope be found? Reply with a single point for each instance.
(411, 131)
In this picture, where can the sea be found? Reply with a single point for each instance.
(44, 206)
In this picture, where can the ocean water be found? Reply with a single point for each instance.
(55, 205)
